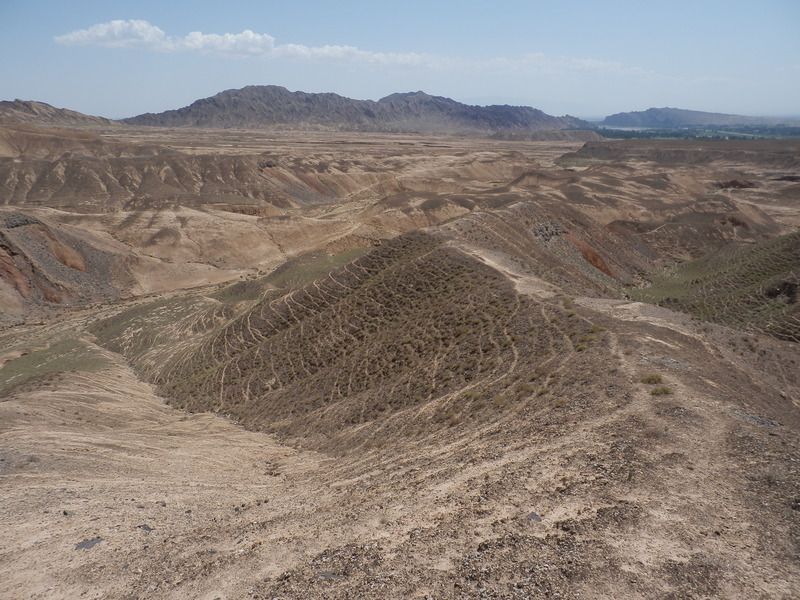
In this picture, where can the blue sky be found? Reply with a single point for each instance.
(117, 58)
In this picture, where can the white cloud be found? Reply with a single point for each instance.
(143, 35)
(351, 54)
(246, 43)
(119, 34)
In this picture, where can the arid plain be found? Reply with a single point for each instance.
(328, 365)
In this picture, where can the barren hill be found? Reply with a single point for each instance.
(181, 215)
(29, 111)
(33, 142)
(678, 117)
(360, 366)
(258, 107)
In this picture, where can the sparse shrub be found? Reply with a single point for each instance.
(651, 378)
(500, 401)
(581, 347)
(661, 390)
(596, 329)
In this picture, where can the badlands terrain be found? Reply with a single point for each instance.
(243, 364)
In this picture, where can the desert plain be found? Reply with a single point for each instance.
(240, 364)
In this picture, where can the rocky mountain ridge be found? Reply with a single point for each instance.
(270, 106)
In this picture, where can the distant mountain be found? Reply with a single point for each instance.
(256, 107)
(677, 117)
(29, 111)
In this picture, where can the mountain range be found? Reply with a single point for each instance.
(274, 107)
(270, 106)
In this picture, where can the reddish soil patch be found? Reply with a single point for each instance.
(592, 257)
(9, 272)
(64, 254)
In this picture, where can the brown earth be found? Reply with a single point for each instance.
(472, 409)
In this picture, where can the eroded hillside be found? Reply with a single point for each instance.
(182, 215)
(750, 286)
(418, 324)
(432, 379)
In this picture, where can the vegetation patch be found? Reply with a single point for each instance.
(329, 350)
(661, 390)
(305, 269)
(68, 354)
(741, 285)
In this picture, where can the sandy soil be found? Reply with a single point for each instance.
(108, 493)
(100, 456)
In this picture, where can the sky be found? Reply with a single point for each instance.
(587, 58)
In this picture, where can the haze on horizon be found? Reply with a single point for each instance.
(579, 57)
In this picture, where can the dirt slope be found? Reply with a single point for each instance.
(752, 286)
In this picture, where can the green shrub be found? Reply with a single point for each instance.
(661, 390)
